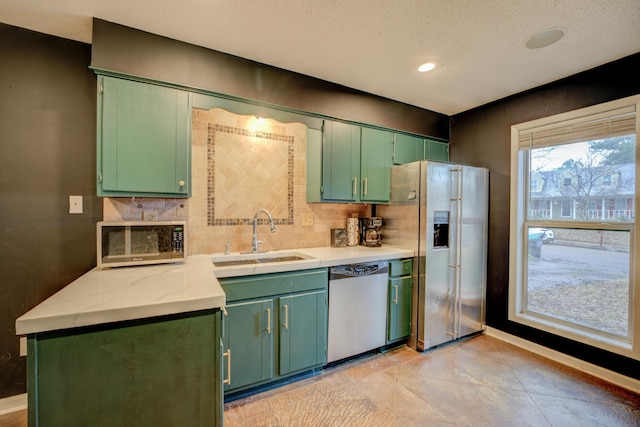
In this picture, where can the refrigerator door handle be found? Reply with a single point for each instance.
(456, 199)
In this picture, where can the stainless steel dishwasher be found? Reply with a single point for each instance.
(357, 308)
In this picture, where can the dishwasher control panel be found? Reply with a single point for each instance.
(356, 270)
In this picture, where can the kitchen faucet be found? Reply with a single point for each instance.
(254, 238)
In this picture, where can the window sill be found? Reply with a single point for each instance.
(621, 346)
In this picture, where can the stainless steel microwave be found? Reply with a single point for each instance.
(141, 242)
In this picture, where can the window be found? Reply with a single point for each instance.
(573, 272)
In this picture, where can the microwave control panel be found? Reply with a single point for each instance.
(177, 239)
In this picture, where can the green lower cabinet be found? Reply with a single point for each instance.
(248, 343)
(260, 344)
(303, 329)
(159, 371)
(399, 300)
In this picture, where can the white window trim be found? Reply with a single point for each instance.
(517, 263)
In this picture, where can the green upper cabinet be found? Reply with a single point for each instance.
(143, 139)
(348, 163)
(375, 165)
(340, 162)
(407, 149)
(434, 150)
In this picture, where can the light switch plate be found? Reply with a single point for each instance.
(75, 204)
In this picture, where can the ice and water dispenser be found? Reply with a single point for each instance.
(440, 229)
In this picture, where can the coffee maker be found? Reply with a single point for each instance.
(371, 231)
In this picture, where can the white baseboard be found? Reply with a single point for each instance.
(589, 368)
(13, 403)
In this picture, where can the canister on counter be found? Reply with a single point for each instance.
(353, 230)
(338, 237)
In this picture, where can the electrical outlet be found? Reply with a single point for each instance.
(149, 215)
(307, 220)
(23, 346)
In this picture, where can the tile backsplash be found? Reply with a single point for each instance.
(241, 164)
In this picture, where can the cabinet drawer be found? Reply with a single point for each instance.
(263, 285)
(400, 267)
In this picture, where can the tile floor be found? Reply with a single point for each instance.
(481, 381)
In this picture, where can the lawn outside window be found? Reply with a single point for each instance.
(573, 243)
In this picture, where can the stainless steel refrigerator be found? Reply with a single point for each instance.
(439, 211)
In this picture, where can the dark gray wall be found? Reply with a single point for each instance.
(131, 51)
(482, 137)
(47, 152)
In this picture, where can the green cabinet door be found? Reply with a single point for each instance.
(314, 165)
(399, 299)
(144, 139)
(248, 343)
(303, 331)
(407, 149)
(438, 151)
(375, 165)
(399, 317)
(340, 162)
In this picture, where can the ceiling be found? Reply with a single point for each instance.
(375, 45)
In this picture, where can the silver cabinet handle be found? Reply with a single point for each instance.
(366, 186)
(286, 316)
(227, 354)
(269, 321)
(395, 298)
(355, 185)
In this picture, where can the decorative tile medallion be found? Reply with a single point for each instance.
(248, 170)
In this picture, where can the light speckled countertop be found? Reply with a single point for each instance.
(127, 293)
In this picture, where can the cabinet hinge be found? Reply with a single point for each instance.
(100, 89)
(100, 178)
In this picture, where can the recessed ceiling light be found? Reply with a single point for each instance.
(427, 66)
(545, 38)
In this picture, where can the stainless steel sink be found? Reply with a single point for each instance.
(248, 259)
